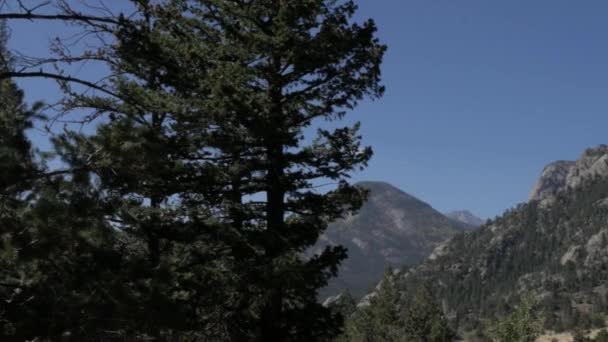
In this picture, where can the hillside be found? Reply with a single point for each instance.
(392, 227)
(465, 216)
(563, 174)
(556, 249)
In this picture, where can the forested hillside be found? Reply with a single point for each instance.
(180, 187)
(557, 252)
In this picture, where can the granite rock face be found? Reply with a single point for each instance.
(593, 162)
(552, 180)
(564, 174)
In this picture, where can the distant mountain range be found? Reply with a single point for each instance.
(392, 228)
(554, 247)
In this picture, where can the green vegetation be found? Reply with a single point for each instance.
(557, 250)
(384, 319)
(602, 336)
(425, 321)
(184, 214)
(185, 209)
(523, 325)
(381, 320)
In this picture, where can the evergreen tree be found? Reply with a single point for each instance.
(16, 164)
(16, 160)
(201, 169)
(51, 252)
(344, 304)
(523, 325)
(425, 322)
(287, 83)
(380, 320)
(384, 319)
(266, 82)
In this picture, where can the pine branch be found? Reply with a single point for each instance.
(65, 17)
(42, 74)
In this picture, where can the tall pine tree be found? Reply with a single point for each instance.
(203, 169)
(282, 66)
(425, 321)
(16, 164)
(52, 253)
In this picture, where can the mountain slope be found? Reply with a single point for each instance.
(392, 227)
(557, 250)
(465, 216)
(563, 174)
(552, 180)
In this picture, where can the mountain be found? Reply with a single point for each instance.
(465, 216)
(554, 247)
(562, 174)
(392, 227)
(552, 180)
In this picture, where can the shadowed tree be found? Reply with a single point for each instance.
(525, 324)
(425, 322)
(202, 166)
(381, 319)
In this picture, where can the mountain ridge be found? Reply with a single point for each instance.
(555, 247)
(392, 228)
(465, 216)
(562, 174)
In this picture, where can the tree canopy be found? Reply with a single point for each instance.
(184, 215)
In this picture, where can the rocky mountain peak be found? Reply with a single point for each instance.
(562, 174)
(593, 162)
(552, 179)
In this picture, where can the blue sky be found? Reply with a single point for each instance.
(480, 94)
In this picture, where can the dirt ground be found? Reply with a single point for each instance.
(563, 337)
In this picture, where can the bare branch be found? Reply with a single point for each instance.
(64, 17)
(59, 78)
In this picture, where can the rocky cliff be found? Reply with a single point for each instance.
(563, 174)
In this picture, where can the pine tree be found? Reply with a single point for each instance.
(16, 164)
(381, 319)
(425, 322)
(15, 151)
(201, 167)
(523, 325)
(291, 63)
(246, 79)
(51, 252)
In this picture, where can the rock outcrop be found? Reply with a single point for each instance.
(552, 179)
(564, 174)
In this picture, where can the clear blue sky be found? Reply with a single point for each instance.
(480, 94)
